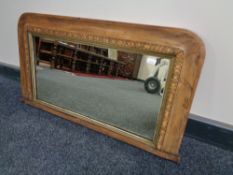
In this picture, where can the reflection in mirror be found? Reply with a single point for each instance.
(115, 87)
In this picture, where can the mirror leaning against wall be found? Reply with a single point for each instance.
(116, 87)
(132, 82)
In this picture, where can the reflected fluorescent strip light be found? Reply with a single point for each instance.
(66, 44)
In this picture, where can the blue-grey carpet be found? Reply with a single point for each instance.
(35, 142)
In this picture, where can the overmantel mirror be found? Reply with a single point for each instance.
(132, 82)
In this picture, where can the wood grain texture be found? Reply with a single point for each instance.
(184, 48)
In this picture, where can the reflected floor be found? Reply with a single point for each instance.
(121, 103)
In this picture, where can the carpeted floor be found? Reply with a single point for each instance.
(35, 142)
(121, 103)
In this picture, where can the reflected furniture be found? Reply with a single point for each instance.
(78, 57)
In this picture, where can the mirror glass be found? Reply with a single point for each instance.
(120, 88)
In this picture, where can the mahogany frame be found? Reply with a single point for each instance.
(185, 49)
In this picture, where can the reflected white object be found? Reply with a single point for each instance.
(151, 60)
(162, 69)
(112, 53)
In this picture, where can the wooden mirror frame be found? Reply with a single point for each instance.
(185, 49)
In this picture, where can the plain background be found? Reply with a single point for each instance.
(212, 20)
